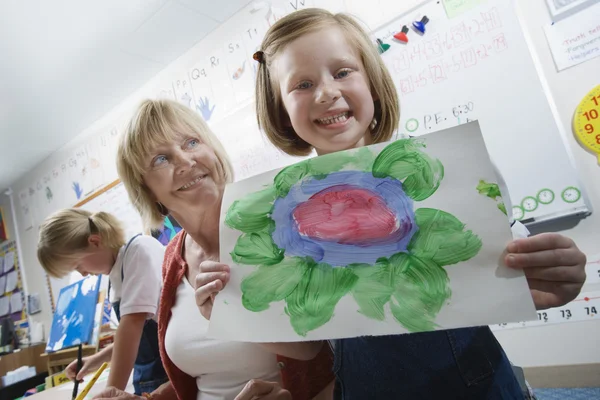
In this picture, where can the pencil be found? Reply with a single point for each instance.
(79, 364)
(88, 387)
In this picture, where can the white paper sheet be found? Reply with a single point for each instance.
(16, 302)
(483, 290)
(9, 261)
(4, 305)
(11, 281)
(575, 39)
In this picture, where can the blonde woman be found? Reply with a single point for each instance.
(77, 240)
(172, 164)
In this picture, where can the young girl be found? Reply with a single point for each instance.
(321, 84)
(77, 240)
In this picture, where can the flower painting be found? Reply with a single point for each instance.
(351, 227)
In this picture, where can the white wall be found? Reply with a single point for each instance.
(569, 343)
(577, 342)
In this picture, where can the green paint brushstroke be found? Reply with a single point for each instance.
(373, 288)
(256, 249)
(442, 239)
(421, 290)
(311, 305)
(251, 213)
(492, 190)
(270, 283)
(320, 167)
(404, 159)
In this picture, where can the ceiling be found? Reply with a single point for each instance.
(66, 63)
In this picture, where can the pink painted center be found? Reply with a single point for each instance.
(345, 215)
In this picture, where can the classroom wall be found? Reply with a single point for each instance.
(577, 342)
(569, 343)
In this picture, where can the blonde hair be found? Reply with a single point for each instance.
(269, 106)
(157, 122)
(64, 237)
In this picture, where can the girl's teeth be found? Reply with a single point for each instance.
(335, 119)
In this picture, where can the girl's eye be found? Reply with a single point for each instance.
(158, 161)
(190, 144)
(343, 73)
(303, 85)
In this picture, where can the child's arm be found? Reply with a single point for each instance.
(90, 364)
(127, 342)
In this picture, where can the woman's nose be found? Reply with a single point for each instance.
(184, 161)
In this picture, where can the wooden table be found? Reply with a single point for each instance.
(58, 360)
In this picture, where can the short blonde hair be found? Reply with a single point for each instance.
(269, 106)
(156, 122)
(64, 237)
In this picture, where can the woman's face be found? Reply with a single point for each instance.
(184, 174)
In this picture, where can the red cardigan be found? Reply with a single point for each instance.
(304, 379)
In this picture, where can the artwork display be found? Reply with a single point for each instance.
(390, 238)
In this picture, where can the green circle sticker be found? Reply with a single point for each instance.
(529, 203)
(412, 125)
(545, 196)
(571, 194)
(518, 212)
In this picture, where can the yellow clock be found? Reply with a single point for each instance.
(586, 122)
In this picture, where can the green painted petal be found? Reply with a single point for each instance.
(488, 189)
(272, 283)
(251, 213)
(502, 208)
(289, 176)
(256, 249)
(441, 238)
(311, 305)
(421, 290)
(404, 159)
(373, 288)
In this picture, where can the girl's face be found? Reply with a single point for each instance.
(326, 91)
(96, 260)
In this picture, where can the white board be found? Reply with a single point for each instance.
(478, 66)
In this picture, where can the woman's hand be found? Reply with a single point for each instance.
(257, 389)
(553, 265)
(111, 393)
(89, 364)
(211, 280)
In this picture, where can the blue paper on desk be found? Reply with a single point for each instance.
(73, 320)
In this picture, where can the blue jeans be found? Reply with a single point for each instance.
(463, 363)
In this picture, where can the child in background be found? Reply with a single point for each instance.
(322, 84)
(77, 240)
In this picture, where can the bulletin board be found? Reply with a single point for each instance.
(12, 296)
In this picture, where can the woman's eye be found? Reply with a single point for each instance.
(303, 85)
(343, 73)
(192, 143)
(158, 161)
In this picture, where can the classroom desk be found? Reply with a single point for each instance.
(64, 391)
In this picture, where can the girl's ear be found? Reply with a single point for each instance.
(94, 240)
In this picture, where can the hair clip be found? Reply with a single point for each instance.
(259, 56)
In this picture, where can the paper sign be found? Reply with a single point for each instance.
(11, 281)
(575, 39)
(16, 302)
(4, 305)
(457, 7)
(388, 239)
(9, 261)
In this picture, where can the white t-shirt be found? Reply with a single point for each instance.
(221, 368)
(139, 291)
